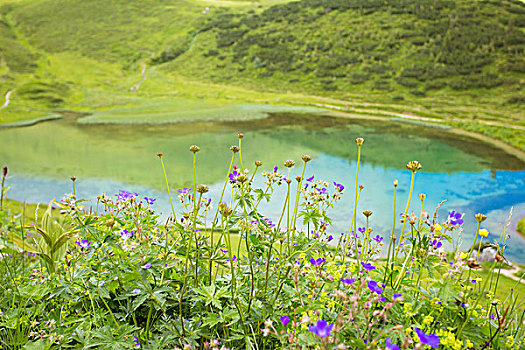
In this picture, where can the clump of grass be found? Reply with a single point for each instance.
(225, 275)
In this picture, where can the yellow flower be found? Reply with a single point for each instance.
(483, 232)
(437, 228)
(463, 255)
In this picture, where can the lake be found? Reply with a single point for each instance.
(470, 175)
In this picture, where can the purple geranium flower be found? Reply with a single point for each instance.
(234, 258)
(390, 346)
(372, 285)
(123, 195)
(321, 190)
(362, 229)
(184, 190)
(275, 169)
(223, 251)
(397, 295)
(126, 234)
(378, 239)
(321, 328)
(150, 200)
(146, 266)
(269, 222)
(339, 187)
(330, 237)
(368, 266)
(310, 178)
(284, 320)
(317, 262)
(456, 219)
(348, 281)
(431, 339)
(84, 243)
(136, 291)
(436, 244)
(233, 176)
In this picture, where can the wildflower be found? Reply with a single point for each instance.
(123, 195)
(136, 341)
(374, 288)
(436, 244)
(194, 148)
(202, 188)
(422, 196)
(414, 165)
(306, 158)
(455, 219)
(396, 295)
(234, 258)
(150, 200)
(483, 232)
(136, 290)
(378, 239)
(234, 149)
(362, 229)
(390, 346)
(289, 163)
(321, 328)
(330, 237)
(310, 179)
(184, 190)
(126, 234)
(348, 281)
(258, 163)
(431, 339)
(359, 141)
(480, 217)
(160, 154)
(146, 266)
(284, 320)
(84, 243)
(339, 187)
(275, 169)
(367, 213)
(317, 262)
(240, 135)
(368, 266)
(223, 251)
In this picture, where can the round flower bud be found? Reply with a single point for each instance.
(289, 163)
(195, 148)
(258, 163)
(240, 135)
(359, 141)
(202, 188)
(306, 158)
(234, 149)
(160, 154)
(414, 166)
(480, 217)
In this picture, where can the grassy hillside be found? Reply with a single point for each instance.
(458, 62)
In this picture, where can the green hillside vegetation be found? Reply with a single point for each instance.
(460, 63)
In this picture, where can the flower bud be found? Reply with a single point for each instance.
(240, 135)
(480, 217)
(195, 148)
(396, 183)
(288, 181)
(422, 196)
(306, 158)
(242, 178)
(298, 178)
(289, 163)
(234, 149)
(367, 213)
(361, 187)
(160, 154)
(258, 163)
(4, 171)
(414, 166)
(73, 178)
(202, 188)
(359, 141)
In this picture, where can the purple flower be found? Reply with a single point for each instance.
(317, 262)
(339, 187)
(150, 200)
(382, 298)
(136, 291)
(397, 295)
(310, 179)
(136, 341)
(84, 243)
(330, 238)
(456, 219)
(234, 258)
(224, 251)
(321, 328)
(390, 346)
(436, 244)
(430, 339)
(123, 195)
(233, 176)
(348, 281)
(362, 229)
(284, 320)
(269, 222)
(146, 266)
(368, 266)
(321, 191)
(126, 234)
(372, 285)
(378, 239)
(184, 190)
(275, 169)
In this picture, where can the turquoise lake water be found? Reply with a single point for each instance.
(470, 175)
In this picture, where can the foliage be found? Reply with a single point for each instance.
(224, 275)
